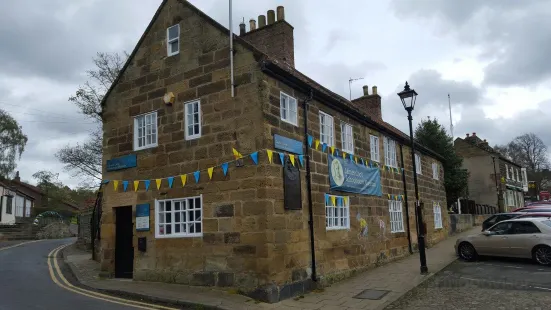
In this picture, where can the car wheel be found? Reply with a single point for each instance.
(467, 251)
(542, 255)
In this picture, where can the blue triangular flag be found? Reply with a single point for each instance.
(282, 158)
(225, 168)
(336, 152)
(197, 174)
(339, 200)
(125, 185)
(326, 199)
(323, 147)
(254, 157)
(170, 181)
(370, 166)
(147, 182)
(105, 181)
(362, 160)
(310, 140)
(301, 159)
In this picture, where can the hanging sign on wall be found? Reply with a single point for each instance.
(347, 176)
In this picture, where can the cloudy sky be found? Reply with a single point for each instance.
(490, 56)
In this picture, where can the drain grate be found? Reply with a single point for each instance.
(372, 294)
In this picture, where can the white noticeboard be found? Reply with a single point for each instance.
(142, 217)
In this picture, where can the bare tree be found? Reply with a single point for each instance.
(84, 159)
(12, 143)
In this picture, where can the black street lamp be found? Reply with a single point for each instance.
(408, 97)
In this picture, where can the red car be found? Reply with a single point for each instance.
(538, 205)
(535, 214)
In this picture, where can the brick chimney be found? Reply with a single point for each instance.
(274, 38)
(369, 104)
(17, 178)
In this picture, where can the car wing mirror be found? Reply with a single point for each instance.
(487, 233)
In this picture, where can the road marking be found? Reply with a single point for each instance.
(68, 286)
(507, 266)
(19, 244)
(508, 283)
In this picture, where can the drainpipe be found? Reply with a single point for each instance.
(309, 187)
(406, 199)
(497, 187)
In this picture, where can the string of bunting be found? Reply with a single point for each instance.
(336, 152)
(331, 200)
(295, 160)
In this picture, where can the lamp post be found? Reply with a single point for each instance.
(408, 96)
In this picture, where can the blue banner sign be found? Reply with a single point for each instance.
(124, 162)
(347, 176)
(287, 144)
(142, 217)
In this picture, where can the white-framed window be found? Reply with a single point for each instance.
(512, 173)
(327, 130)
(193, 119)
(374, 146)
(288, 109)
(435, 172)
(418, 163)
(145, 131)
(181, 217)
(390, 152)
(28, 206)
(337, 216)
(9, 204)
(173, 40)
(19, 206)
(396, 216)
(437, 210)
(347, 137)
(507, 171)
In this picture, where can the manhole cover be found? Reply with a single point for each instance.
(371, 294)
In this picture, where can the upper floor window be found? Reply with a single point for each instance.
(327, 130)
(374, 146)
(418, 163)
(435, 172)
(193, 119)
(173, 40)
(347, 137)
(288, 108)
(390, 152)
(179, 217)
(145, 131)
(507, 171)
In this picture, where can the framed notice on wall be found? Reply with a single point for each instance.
(142, 217)
(291, 186)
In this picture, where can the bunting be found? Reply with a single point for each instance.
(146, 182)
(183, 177)
(301, 160)
(343, 155)
(197, 174)
(333, 198)
(282, 158)
(225, 168)
(318, 144)
(158, 182)
(210, 171)
(254, 157)
(116, 184)
(270, 155)
(292, 158)
(326, 199)
(310, 140)
(332, 150)
(236, 154)
(136, 185)
(125, 185)
(323, 147)
(170, 181)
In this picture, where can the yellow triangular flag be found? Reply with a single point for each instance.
(184, 179)
(270, 155)
(116, 184)
(356, 159)
(343, 155)
(332, 150)
(317, 143)
(333, 198)
(292, 158)
(136, 185)
(236, 154)
(210, 170)
(158, 181)
(345, 200)
(388, 196)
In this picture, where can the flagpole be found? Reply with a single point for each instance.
(451, 122)
(231, 51)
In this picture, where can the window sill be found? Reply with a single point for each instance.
(189, 138)
(173, 54)
(289, 122)
(336, 228)
(178, 236)
(146, 147)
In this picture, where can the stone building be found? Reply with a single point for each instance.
(203, 188)
(493, 179)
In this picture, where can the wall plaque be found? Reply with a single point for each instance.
(287, 144)
(291, 186)
(142, 217)
(124, 162)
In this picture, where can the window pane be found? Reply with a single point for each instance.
(168, 229)
(173, 32)
(168, 217)
(196, 129)
(174, 46)
(195, 107)
(198, 227)
(176, 205)
(168, 205)
(177, 217)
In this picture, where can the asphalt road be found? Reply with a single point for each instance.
(490, 283)
(25, 281)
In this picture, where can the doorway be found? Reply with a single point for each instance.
(124, 251)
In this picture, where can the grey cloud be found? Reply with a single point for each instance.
(511, 34)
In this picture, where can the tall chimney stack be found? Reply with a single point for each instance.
(369, 105)
(271, 17)
(374, 91)
(280, 13)
(261, 21)
(366, 90)
(252, 24)
(242, 29)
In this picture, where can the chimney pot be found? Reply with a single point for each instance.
(242, 29)
(261, 21)
(366, 90)
(374, 90)
(468, 135)
(474, 134)
(280, 13)
(252, 24)
(271, 17)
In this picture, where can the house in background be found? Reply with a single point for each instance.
(15, 204)
(493, 179)
(207, 182)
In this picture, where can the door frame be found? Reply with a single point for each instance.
(118, 225)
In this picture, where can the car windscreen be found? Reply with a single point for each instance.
(537, 210)
(548, 223)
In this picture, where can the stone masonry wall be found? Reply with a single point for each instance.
(231, 251)
(340, 253)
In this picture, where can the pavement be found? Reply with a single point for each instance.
(26, 280)
(396, 278)
(490, 283)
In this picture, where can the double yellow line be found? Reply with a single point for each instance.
(61, 281)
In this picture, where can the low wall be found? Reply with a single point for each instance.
(460, 222)
(478, 219)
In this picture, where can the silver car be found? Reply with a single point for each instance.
(523, 238)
